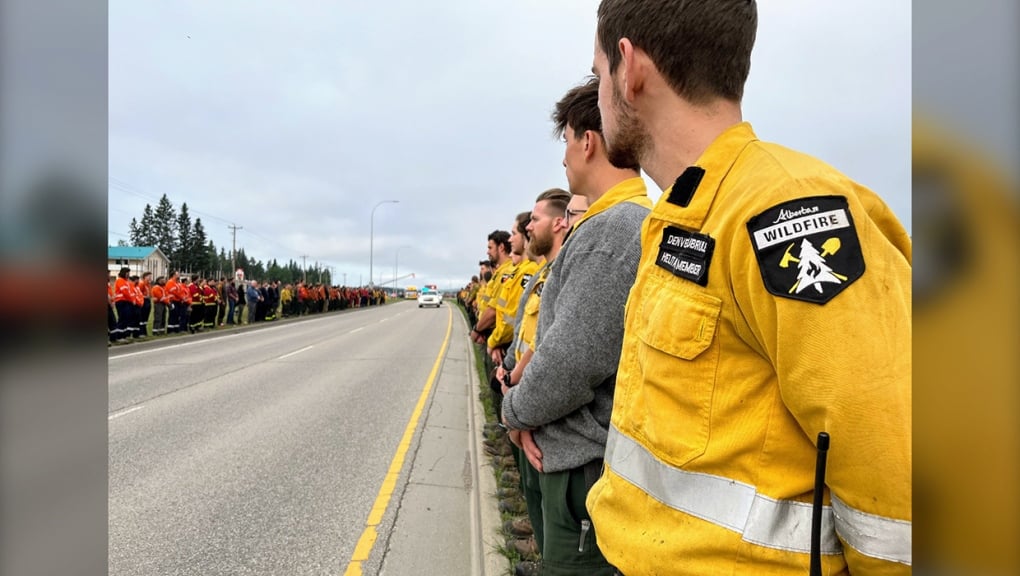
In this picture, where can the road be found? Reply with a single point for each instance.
(262, 450)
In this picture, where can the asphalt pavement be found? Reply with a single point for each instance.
(274, 457)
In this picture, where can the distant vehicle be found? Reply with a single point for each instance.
(411, 292)
(429, 296)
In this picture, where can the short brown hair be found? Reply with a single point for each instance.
(579, 108)
(702, 47)
(556, 199)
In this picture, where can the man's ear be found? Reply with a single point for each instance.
(591, 139)
(634, 64)
(559, 223)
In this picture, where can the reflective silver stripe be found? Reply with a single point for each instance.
(509, 319)
(736, 506)
(522, 347)
(501, 302)
(871, 535)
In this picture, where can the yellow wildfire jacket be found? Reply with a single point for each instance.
(772, 302)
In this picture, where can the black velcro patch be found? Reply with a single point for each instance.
(685, 185)
(807, 249)
(686, 254)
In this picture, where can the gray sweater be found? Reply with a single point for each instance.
(566, 391)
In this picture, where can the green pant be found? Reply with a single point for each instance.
(532, 495)
(569, 546)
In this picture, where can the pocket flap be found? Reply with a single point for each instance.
(679, 322)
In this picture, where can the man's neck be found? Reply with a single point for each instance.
(555, 250)
(604, 178)
(681, 132)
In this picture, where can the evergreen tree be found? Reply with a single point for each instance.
(224, 263)
(198, 249)
(146, 233)
(215, 264)
(182, 255)
(241, 260)
(274, 272)
(134, 233)
(253, 269)
(165, 227)
(812, 268)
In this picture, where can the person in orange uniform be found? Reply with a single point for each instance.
(196, 315)
(772, 303)
(303, 302)
(123, 302)
(175, 303)
(145, 287)
(111, 315)
(160, 301)
(137, 300)
(210, 300)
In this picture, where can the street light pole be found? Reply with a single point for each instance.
(396, 261)
(371, 236)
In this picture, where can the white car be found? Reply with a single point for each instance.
(430, 298)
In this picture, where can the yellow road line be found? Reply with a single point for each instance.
(382, 500)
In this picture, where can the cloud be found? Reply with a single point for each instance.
(293, 122)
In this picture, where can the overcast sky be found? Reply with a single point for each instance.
(294, 119)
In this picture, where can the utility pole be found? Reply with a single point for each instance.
(304, 266)
(371, 236)
(233, 248)
(345, 279)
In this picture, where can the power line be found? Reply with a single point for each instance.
(123, 186)
(117, 184)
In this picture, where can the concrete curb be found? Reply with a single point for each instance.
(485, 518)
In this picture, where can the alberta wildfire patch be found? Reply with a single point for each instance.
(807, 249)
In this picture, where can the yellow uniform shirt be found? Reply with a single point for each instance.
(772, 302)
(529, 321)
(487, 295)
(508, 300)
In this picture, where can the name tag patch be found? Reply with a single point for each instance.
(686, 254)
(807, 249)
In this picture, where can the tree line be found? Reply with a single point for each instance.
(190, 251)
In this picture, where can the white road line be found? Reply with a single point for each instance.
(223, 334)
(119, 414)
(296, 352)
(129, 354)
(356, 330)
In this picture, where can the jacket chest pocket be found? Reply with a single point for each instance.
(678, 358)
(532, 305)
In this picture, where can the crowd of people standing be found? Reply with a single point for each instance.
(665, 376)
(139, 307)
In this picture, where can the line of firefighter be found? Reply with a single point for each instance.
(176, 305)
(173, 305)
